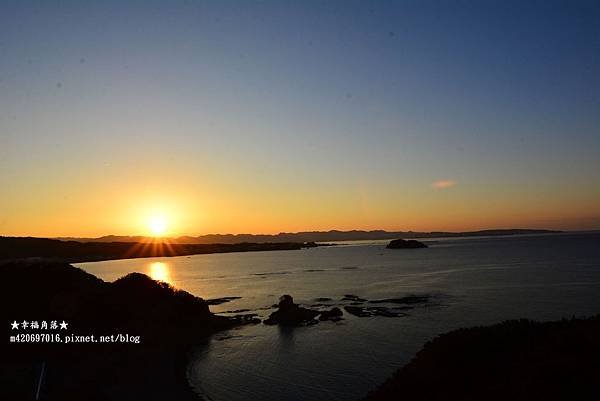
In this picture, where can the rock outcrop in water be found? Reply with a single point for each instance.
(362, 311)
(518, 360)
(405, 244)
(387, 307)
(290, 314)
(222, 300)
(409, 300)
(354, 298)
(334, 314)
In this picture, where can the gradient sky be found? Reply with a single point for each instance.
(239, 116)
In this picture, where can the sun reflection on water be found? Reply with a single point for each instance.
(160, 271)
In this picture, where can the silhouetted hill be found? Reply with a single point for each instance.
(314, 236)
(168, 321)
(516, 360)
(73, 251)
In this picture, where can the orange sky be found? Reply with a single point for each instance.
(261, 118)
(90, 208)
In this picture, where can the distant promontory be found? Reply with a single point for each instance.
(317, 236)
(14, 248)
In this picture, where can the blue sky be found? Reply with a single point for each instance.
(312, 103)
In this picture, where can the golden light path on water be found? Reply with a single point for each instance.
(159, 271)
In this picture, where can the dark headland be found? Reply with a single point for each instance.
(75, 251)
(169, 322)
(518, 360)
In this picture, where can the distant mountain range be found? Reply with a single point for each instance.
(311, 236)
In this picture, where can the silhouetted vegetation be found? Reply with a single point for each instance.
(74, 251)
(515, 360)
(168, 322)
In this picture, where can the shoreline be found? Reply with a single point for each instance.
(34, 249)
(176, 362)
(43, 249)
(487, 352)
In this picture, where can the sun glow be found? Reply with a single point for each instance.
(158, 225)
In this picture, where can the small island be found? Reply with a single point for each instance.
(405, 244)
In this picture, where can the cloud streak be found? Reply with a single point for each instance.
(443, 184)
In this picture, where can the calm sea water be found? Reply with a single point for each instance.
(474, 281)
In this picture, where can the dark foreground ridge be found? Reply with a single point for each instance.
(74, 251)
(167, 322)
(516, 360)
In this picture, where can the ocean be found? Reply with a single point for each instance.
(469, 281)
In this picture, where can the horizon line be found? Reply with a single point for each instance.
(305, 232)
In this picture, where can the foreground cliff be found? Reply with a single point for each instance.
(515, 360)
(147, 327)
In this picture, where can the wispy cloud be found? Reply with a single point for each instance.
(443, 184)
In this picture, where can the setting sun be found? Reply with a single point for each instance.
(157, 225)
